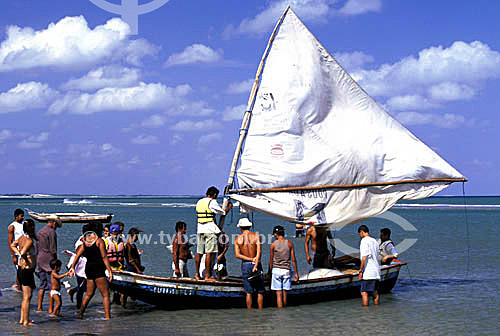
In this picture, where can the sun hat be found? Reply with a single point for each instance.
(244, 222)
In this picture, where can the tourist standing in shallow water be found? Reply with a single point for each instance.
(369, 271)
(93, 248)
(282, 253)
(24, 247)
(14, 232)
(248, 248)
(47, 252)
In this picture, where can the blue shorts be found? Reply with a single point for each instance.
(255, 284)
(281, 279)
(369, 285)
(45, 282)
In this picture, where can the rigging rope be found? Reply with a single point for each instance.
(467, 238)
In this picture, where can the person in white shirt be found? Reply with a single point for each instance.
(369, 270)
(206, 210)
(14, 232)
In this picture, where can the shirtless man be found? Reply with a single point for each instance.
(321, 257)
(247, 248)
(180, 250)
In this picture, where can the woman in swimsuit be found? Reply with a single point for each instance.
(93, 248)
(24, 247)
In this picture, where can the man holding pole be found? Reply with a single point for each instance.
(206, 210)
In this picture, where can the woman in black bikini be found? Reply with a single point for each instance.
(94, 250)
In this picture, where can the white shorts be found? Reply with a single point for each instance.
(281, 279)
(54, 292)
(182, 268)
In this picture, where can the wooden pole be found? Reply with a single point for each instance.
(347, 186)
(248, 114)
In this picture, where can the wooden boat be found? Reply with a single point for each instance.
(174, 293)
(314, 149)
(72, 217)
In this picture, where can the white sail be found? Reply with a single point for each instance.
(317, 136)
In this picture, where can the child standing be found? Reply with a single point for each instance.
(282, 252)
(55, 279)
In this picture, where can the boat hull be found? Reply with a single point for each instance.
(76, 218)
(172, 293)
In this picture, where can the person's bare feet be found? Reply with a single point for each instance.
(197, 277)
(53, 315)
(28, 323)
(210, 279)
(79, 316)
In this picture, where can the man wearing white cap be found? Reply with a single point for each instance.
(47, 252)
(247, 248)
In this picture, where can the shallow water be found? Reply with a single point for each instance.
(450, 286)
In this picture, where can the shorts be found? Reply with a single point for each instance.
(182, 268)
(369, 285)
(45, 282)
(321, 260)
(54, 292)
(207, 243)
(281, 279)
(95, 271)
(255, 284)
(26, 277)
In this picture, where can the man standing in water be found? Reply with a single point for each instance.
(369, 271)
(247, 248)
(206, 210)
(14, 232)
(47, 252)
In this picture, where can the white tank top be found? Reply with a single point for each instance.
(18, 229)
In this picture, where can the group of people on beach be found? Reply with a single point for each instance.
(102, 249)
(98, 251)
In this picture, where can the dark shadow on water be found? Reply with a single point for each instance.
(407, 285)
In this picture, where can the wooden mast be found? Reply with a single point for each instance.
(248, 114)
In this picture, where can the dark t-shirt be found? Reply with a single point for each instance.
(47, 248)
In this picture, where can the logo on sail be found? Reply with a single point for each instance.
(277, 151)
(305, 214)
(130, 10)
(267, 102)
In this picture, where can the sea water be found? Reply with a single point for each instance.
(450, 286)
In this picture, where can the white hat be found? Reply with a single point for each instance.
(244, 222)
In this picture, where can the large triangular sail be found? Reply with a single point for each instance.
(318, 149)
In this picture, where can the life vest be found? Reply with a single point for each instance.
(203, 212)
(115, 251)
(382, 247)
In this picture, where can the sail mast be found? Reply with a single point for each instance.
(248, 114)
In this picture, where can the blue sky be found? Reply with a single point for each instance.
(86, 107)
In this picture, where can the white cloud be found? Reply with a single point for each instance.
(145, 140)
(447, 120)
(69, 44)
(45, 164)
(449, 91)
(310, 11)
(240, 87)
(154, 121)
(5, 134)
(355, 7)
(354, 60)
(105, 76)
(196, 53)
(410, 102)
(92, 150)
(482, 163)
(234, 112)
(203, 125)
(209, 138)
(34, 141)
(140, 97)
(461, 64)
(30, 95)
(176, 138)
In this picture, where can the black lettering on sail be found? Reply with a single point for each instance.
(304, 214)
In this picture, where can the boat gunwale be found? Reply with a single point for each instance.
(239, 283)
